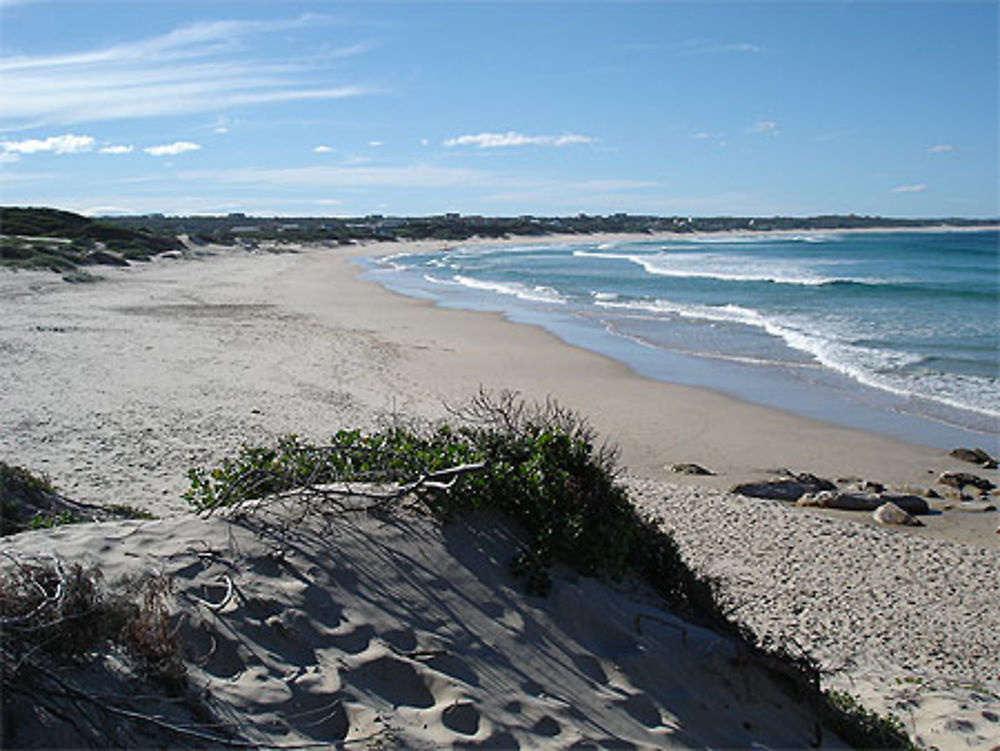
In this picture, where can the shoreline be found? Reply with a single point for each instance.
(657, 423)
(833, 395)
(115, 389)
(321, 349)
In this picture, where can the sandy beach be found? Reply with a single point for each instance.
(115, 389)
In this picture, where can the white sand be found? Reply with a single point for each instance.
(399, 633)
(115, 389)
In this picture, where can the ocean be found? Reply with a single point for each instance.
(889, 331)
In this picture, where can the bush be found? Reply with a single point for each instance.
(542, 467)
(862, 728)
(31, 501)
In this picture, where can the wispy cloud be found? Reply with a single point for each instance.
(323, 149)
(203, 67)
(766, 127)
(116, 149)
(709, 47)
(941, 148)
(172, 149)
(719, 139)
(919, 188)
(65, 144)
(512, 138)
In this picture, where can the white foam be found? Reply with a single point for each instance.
(514, 289)
(877, 368)
(721, 267)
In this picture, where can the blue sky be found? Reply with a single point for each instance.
(412, 108)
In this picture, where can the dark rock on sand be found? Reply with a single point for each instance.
(975, 456)
(690, 469)
(789, 488)
(960, 480)
(849, 501)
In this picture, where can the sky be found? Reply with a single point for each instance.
(416, 108)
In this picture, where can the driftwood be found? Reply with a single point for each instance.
(335, 494)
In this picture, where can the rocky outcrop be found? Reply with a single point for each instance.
(849, 501)
(789, 488)
(961, 480)
(975, 456)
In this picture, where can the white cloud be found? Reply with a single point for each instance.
(374, 144)
(204, 67)
(116, 149)
(171, 149)
(941, 148)
(65, 144)
(512, 138)
(323, 149)
(768, 127)
(919, 188)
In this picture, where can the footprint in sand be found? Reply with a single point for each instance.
(641, 709)
(353, 640)
(461, 718)
(393, 680)
(402, 640)
(590, 667)
(547, 726)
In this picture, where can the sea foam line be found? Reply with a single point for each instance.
(649, 263)
(865, 365)
(512, 289)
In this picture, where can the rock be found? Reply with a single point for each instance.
(890, 513)
(961, 479)
(867, 486)
(911, 504)
(822, 499)
(975, 456)
(785, 489)
(690, 469)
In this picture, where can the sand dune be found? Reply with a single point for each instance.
(395, 631)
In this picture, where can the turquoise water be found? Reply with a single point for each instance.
(895, 332)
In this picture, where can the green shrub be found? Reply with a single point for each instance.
(541, 467)
(862, 728)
